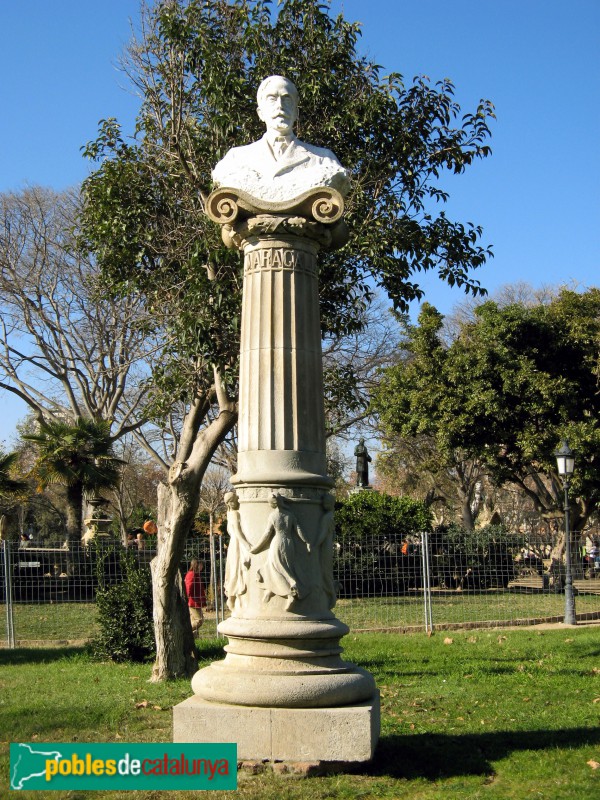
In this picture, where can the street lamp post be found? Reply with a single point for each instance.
(565, 459)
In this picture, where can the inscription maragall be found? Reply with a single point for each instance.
(279, 258)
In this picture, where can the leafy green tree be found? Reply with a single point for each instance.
(414, 408)
(365, 514)
(514, 381)
(449, 486)
(78, 456)
(474, 560)
(370, 529)
(196, 67)
(41, 512)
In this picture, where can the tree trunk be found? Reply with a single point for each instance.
(468, 474)
(9, 527)
(558, 549)
(466, 513)
(177, 506)
(557, 556)
(175, 652)
(74, 516)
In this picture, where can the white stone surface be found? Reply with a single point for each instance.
(343, 734)
(253, 168)
(279, 167)
(253, 680)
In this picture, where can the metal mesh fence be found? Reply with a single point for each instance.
(459, 581)
(47, 595)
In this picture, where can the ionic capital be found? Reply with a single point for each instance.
(316, 215)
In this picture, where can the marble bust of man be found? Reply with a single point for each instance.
(279, 167)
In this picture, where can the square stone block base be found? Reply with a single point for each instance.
(344, 734)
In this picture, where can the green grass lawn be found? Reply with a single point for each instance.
(68, 622)
(452, 608)
(62, 622)
(52, 622)
(486, 714)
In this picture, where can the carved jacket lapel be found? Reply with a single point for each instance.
(293, 156)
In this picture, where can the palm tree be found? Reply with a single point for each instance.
(80, 457)
(9, 486)
(10, 490)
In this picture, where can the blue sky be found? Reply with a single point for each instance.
(538, 61)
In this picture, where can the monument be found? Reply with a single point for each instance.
(97, 522)
(283, 691)
(363, 459)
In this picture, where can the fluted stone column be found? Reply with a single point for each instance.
(283, 650)
(281, 429)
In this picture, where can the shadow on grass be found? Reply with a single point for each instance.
(435, 756)
(210, 650)
(39, 655)
(207, 650)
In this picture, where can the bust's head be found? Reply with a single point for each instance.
(277, 101)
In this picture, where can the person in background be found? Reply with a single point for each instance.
(196, 594)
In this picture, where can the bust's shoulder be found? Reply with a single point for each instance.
(244, 150)
(320, 152)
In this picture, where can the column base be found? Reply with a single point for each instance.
(288, 685)
(342, 734)
(283, 664)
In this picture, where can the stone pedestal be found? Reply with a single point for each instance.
(283, 661)
(96, 529)
(342, 733)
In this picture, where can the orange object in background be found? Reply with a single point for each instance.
(150, 527)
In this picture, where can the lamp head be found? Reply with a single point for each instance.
(565, 460)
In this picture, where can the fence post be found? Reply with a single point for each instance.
(10, 623)
(426, 572)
